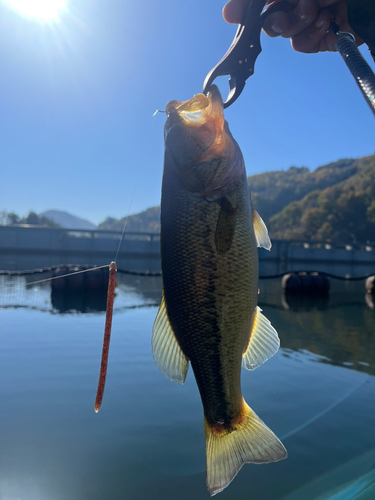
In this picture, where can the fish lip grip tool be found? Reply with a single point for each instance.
(239, 60)
(357, 65)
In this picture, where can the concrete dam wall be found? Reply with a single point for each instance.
(143, 249)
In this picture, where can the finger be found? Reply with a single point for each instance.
(233, 10)
(317, 38)
(288, 24)
(314, 38)
(340, 15)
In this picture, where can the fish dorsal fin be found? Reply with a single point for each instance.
(166, 351)
(261, 232)
(263, 344)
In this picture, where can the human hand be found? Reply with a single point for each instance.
(307, 23)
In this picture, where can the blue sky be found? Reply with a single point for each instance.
(77, 98)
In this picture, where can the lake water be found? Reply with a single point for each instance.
(317, 394)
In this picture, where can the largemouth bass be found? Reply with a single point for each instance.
(208, 314)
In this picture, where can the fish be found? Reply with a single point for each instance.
(208, 315)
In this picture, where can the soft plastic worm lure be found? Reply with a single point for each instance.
(107, 335)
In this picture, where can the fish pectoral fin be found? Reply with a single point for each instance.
(249, 441)
(261, 231)
(166, 351)
(225, 227)
(263, 344)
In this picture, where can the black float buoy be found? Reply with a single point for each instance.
(305, 291)
(313, 284)
(85, 291)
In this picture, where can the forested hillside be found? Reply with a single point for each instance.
(344, 212)
(335, 202)
(272, 191)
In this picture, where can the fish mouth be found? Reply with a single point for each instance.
(199, 143)
(197, 111)
(197, 126)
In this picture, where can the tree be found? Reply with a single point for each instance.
(32, 218)
(8, 218)
(13, 218)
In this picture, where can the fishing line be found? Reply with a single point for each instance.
(109, 315)
(323, 412)
(134, 190)
(108, 318)
(109, 308)
(69, 274)
(127, 217)
(110, 300)
(110, 297)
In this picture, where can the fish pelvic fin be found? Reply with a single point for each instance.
(248, 441)
(261, 231)
(263, 344)
(166, 351)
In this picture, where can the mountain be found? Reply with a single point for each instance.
(334, 202)
(69, 221)
(144, 222)
(341, 213)
(272, 191)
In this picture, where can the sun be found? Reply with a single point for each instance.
(44, 10)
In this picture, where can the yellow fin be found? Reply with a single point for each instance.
(166, 351)
(248, 441)
(261, 231)
(263, 344)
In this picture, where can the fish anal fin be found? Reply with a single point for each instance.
(263, 344)
(261, 231)
(250, 441)
(226, 225)
(166, 351)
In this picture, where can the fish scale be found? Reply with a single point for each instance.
(209, 336)
(208, 315)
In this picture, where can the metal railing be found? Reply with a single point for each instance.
(86, 233)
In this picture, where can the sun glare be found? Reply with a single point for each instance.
(46, 10)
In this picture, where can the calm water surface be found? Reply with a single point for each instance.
(316, 394)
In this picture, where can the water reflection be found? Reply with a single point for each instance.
(304, 302)
(147, 441)
(353, 480)
(337, 333)
(81, 293)
(369, 298)
(90, 301)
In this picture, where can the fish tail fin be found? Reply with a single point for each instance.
(248, 440)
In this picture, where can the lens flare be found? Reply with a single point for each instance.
(45, 10)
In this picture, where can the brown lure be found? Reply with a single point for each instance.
(107, 336)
